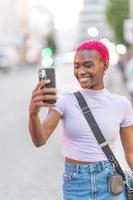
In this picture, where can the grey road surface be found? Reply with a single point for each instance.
(27, 172)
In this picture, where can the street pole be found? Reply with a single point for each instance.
(128, 25)
(131, 9)
(131, 12)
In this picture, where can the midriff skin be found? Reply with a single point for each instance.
(68, 160)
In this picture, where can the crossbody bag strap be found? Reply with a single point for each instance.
(97, 133)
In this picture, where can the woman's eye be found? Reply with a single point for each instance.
(76, 66)
(88, 66)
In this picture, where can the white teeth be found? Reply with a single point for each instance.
(84, 79)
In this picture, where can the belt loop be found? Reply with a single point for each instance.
(103, 166)
(77, 169)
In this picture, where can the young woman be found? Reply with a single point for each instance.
(86, 167)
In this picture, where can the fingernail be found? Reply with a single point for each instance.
(48, 81)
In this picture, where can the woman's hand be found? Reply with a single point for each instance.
(39, 95)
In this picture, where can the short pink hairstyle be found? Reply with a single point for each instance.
(96, 45)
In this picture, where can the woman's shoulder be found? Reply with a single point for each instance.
(64, 101)
(121, 99)
(65, 97)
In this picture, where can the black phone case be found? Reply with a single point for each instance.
(48, 73)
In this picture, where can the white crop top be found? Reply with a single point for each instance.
(111, 112)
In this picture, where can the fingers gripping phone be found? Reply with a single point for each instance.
(48, 73)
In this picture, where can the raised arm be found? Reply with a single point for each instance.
(126, 134)
(40, 132)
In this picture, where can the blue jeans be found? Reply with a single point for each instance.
(89, 182)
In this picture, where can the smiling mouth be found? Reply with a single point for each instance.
(84, 79)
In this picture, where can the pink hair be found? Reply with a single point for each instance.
(96, 45)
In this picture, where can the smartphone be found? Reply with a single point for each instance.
(48, 73)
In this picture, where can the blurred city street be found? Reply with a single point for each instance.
(45, 33)
(27, 172)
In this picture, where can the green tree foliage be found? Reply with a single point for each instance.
(116, 12)
(51, 43)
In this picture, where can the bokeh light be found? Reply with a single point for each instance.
(93, 32)
(46, 52)
(121, 49)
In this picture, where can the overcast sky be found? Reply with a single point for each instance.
(65, 11)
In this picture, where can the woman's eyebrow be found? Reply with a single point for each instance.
(88, 61)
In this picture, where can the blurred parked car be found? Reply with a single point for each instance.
(4, 63)
(8, 58)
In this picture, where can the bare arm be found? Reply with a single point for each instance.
(127, 142)
(40, 132)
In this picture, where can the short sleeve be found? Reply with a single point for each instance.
(128, 114)
(60, 104)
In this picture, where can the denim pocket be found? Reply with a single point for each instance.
(69, 176)
(109, 170)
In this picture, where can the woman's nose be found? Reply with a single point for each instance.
(81, 70)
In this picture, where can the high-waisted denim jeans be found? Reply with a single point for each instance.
(88, 182)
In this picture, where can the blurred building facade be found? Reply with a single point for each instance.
(93, 15)
(24, 24)
(41, 27)
(8, 22)
(14, 25)
(36, 23)
(8, 33)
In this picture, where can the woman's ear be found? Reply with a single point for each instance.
(106, 65)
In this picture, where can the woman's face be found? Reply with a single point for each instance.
(89, 70)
